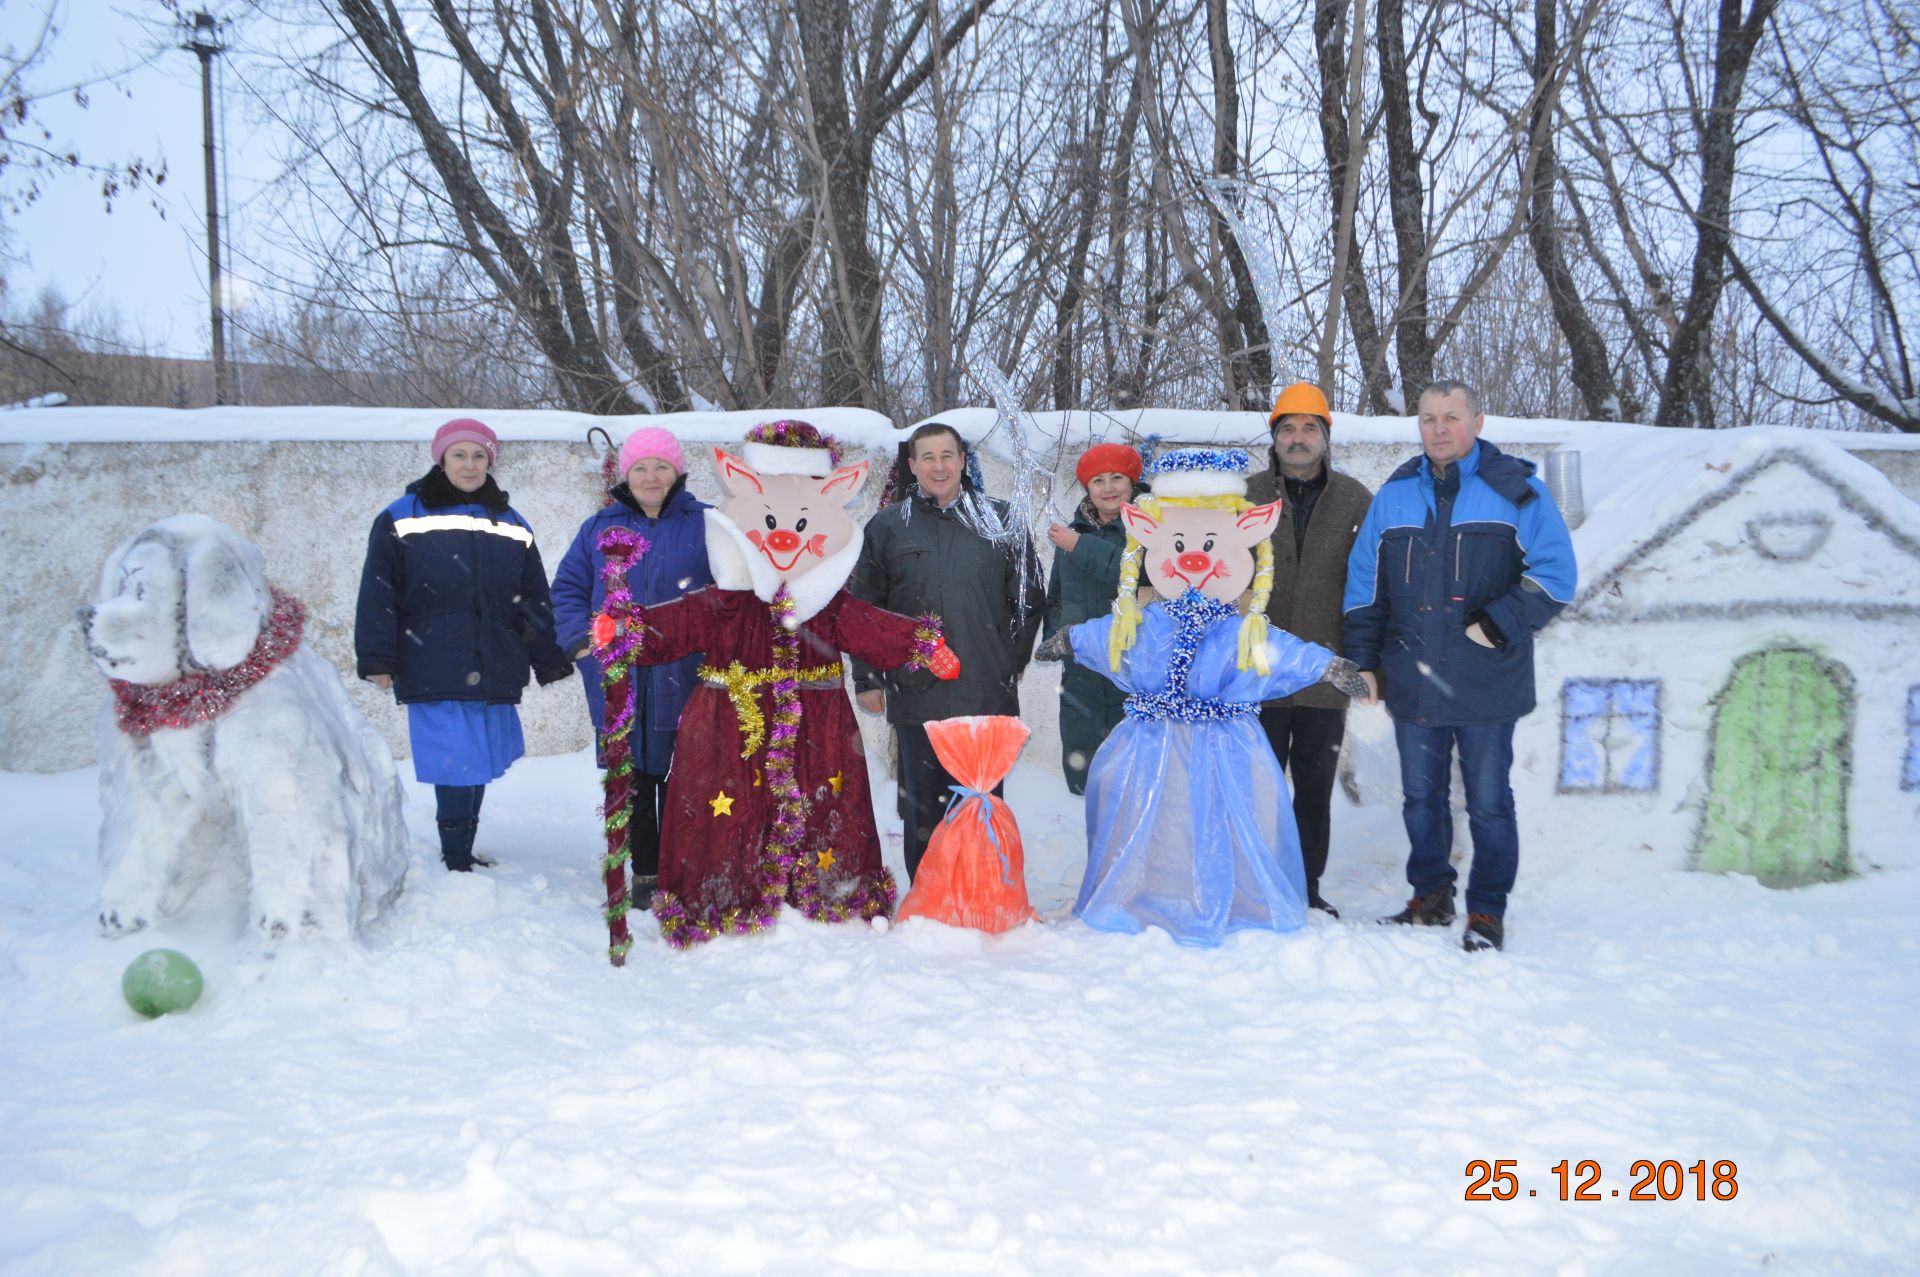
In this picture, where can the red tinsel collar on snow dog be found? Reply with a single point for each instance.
(199, 698)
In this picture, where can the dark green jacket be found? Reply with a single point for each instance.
(1082, 587)
(920, 559)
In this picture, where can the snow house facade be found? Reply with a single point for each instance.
(1736, 686)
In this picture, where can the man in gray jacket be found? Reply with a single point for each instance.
(946, 550)
(1321, 513)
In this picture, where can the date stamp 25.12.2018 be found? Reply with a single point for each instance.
(1652, 1181)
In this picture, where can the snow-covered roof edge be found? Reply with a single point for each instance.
(857, 426)
(1641, 490)
(1078, 429)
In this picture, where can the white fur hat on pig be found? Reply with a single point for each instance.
(1200, 472)
(791, 447)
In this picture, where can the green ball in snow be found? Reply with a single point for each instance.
(161, 981)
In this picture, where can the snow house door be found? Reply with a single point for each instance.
(1779, 763)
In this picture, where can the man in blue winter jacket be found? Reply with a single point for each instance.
(1462, 556)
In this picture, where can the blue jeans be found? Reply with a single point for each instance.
(1426, 768)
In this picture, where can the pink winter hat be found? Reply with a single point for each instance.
(466, 430)
(652, 441)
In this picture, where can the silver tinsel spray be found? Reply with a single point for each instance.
(1221, 193)
(1030, 500)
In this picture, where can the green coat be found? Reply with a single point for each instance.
(1081, 588)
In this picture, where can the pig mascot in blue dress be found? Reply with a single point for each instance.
(1189, 823)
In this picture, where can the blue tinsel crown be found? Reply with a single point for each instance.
(1226, 460)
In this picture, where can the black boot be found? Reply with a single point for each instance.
(1484, 931)
(456, 844)
(644, 885)
(1435, 909)
(1316, 901)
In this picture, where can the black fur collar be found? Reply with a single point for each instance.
(436, 492)
(623, 493)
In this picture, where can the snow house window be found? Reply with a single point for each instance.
(1609, 735)
(1910, 774)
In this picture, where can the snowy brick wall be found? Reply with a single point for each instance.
(308, 505)
(305, 484)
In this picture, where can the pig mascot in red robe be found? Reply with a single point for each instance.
(768, 800)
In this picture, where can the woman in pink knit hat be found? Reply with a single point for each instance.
(453, 614)
(651, 498)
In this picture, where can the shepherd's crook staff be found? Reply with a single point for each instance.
(615, 640)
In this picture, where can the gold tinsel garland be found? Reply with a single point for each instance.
(743, 687)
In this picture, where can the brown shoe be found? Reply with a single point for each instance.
(1484, 931)
(1435, 909)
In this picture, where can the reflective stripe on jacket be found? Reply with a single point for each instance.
(453, 604)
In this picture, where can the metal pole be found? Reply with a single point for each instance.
(206, 44)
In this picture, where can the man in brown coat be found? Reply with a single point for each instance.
(1321, 513)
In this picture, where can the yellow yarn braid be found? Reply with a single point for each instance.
(1126, 608)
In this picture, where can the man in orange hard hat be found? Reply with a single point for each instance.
(1310, 550)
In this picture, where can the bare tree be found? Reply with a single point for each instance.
(850, 95)
(1406, 192)
(1853, 90)
(1086, 193)
(535, 266)
(1342, 64)
(664, 203)
(1244, 338)
(1587, 349)
(1684, 397)
(31, 153)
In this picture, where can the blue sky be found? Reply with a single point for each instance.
(146, 262)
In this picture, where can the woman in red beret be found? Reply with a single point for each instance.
(1086, 574)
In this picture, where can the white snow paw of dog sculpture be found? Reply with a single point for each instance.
(112, 924)
(231, 760)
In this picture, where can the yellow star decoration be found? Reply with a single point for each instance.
(836, 780)
(826, 860)
(722, 805)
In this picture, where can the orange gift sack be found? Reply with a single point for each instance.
(974, 873)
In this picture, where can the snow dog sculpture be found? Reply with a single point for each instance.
(230, 757)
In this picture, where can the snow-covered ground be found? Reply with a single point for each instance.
(474, 1089)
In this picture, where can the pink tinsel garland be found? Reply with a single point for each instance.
(616, 640)
(200, 698)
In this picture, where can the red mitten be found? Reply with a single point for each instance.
(944, 665)
(605, 630)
